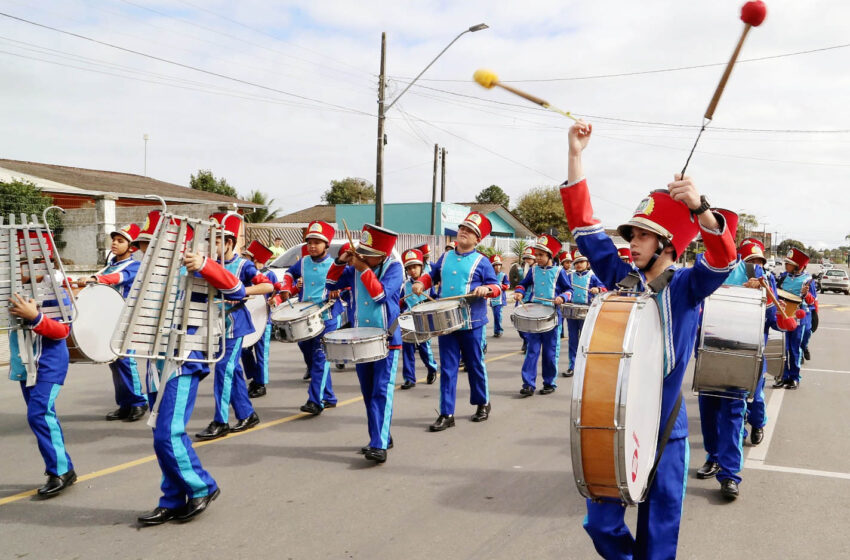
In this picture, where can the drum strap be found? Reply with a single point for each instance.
(232, 308)
(665, 437)
(751, 270)
(633, 280)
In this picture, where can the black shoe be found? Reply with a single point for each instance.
(197, 506)
(340, 366)
(482, 413)
(328, 404)
(246, 423)
(779, 383)
(432, 376)
(526, 391)
(136, 413)
(306, 376)
(158, 516)
(408, 385)
(757, 436)
(524, 347)
(497, 335)
(312, 408)
(377, 455)
(366, 448)
(568, 373)
(56, 484)
(729, 489)
(257, 391)
(547, 389)
(119, 414)
(806, 354)
(791, 385)
(214, 430)
(443, 422)
(708, 470)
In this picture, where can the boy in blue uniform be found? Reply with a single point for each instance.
(524, 269)
(375, 280)
(498, 304)
(460, 272)
(120, 272)
(312, 270)
(229, 386)
(796, 281)
(413, 261)
(585, 285)
(660, 230)
(548, 285)
(255, 359)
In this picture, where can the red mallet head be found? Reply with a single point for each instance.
(800, 314)
(753, 13)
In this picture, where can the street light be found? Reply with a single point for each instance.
(379, 172)
(145, 137)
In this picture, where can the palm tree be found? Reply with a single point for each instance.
(264, 213)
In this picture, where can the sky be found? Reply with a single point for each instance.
(281, 96)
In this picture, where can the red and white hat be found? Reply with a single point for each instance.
(548, 243)
(751, 252)
(450, 246)
(147, 229)
(258, 252)
(129, 232)
(752, 240)
(731, 220)
(376, 241)
(34, 245)
(670, 219)
(565, 256)
(479, 223)
(625, 254)
(425, 248)
(320, 230)
(232, 223)
(797, 257)
(411, 257)
(578, 257)
(496, 260)
(528, 252)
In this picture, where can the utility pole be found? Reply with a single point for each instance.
(145, 137)
(379, 172)
(434, 191)
(443, 179)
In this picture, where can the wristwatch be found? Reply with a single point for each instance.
(702, 207)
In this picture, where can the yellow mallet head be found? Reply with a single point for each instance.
(486, 78)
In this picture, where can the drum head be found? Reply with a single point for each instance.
(256, 306)
(289, 312)
(98, 310)
(788, 296)
(534, 311)
(405, 322)
(354, 333)
(429, 306)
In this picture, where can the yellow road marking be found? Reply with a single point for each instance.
(261, 426)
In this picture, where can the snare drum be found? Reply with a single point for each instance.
(436, 318)
(790, 301)
(731, 342)
(408, 332)
(616, 402)
(98, 310)
(574, 310)
(534, 318)
(774, 353)
(259, 310)
(298, 321)
(355, 345)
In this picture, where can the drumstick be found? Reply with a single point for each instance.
(488, 79)
(348, 235)
(772, 298)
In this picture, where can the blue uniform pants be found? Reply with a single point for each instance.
(549, 345)
(722, 423)
(377, 384)
(128, 383)
(229, 386)
(756, 413)
(321, 386)
(793, 353)
(183, 477)
(469, 345)
(41, 415)
(574, 327)
(497, 318)
(255, 358)
(657, 535)
(409, 359)
(807, 334)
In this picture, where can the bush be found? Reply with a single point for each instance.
(22, 197)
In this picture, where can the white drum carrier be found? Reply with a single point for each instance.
(534, 318)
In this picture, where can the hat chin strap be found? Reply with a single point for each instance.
(655, 255)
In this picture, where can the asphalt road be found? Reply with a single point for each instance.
(295, 487)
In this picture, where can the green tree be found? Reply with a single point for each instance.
(22, 197)
(264, 213)
(787, 244)
(206, 181)
(541, 210)
(747, 224)
(493, 195)
(518, 246)
(350, 190)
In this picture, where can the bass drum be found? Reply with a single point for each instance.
(259, 310)
(98, 310)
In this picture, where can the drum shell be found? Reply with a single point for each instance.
(731, 342)
(305, 327)
(409, 334)
(574, 311)
(356, 345)
(527, 323)
(437, 322)
(774, 353)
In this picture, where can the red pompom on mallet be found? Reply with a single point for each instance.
(753, 13)
(800, 314)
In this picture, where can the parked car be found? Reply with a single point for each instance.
(836, 280)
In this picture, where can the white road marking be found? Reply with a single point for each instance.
(826, 370)
(833, 329)
(758, 465)
(759, 452)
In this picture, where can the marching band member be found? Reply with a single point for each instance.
(412, 260)
(312, 271)
(565, 259)
(518, 272)
(498, 303)
(811, 310)
(585, 285)
(187, 488)
(120, 272)
(229, 386)
(660, 230)
(548, 285)
(51, 356)
(256, 358)
(375, 280)
(425, 249)
(461, 272)
(796, 281)
(625, 254)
